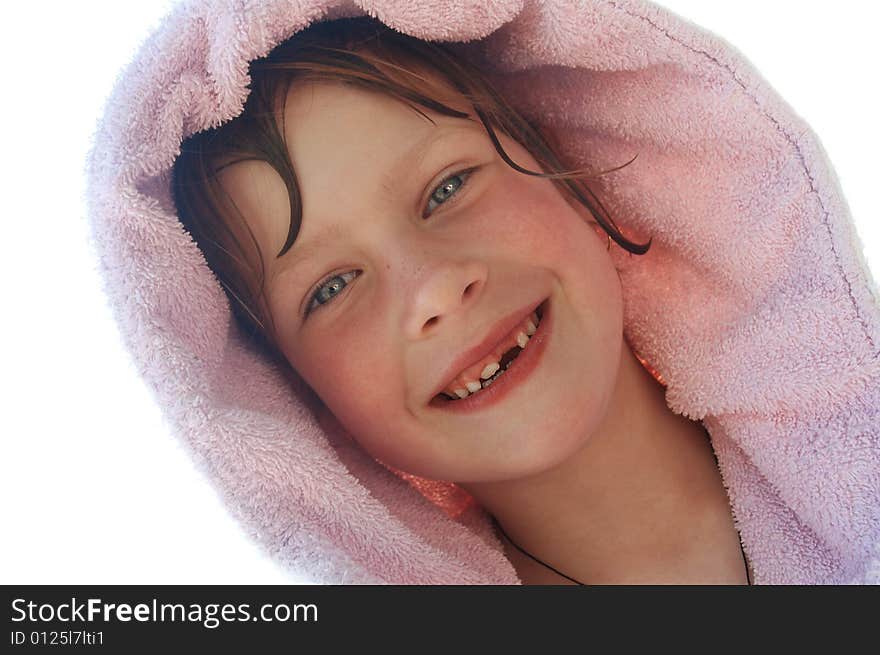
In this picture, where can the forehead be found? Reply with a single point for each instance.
(335, 131)
(345, 144)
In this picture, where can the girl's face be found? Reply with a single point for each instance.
(428, 260)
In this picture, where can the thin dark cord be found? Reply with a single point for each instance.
(745, 563)
(498, 525)
(495, 521)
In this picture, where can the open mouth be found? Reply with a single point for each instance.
(510, 367)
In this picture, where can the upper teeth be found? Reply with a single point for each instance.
(466, 383)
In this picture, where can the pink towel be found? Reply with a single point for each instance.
(754, 304)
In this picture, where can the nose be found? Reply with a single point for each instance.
(448, 290)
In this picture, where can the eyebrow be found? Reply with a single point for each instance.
(407, 162)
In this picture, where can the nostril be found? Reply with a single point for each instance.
(430, 321)
(469, 289)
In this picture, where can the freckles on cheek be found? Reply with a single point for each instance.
(536, 234)
(558, 231)
(504, 215)
(528, 208)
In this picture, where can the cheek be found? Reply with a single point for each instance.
(530, 216)
(357, 381)
(575, 253)
(515, 213)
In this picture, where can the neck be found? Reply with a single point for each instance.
(642, 502)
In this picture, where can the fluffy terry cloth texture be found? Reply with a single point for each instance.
(754, 305)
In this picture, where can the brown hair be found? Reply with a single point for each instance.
(343, 50)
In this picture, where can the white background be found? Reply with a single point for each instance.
(94, 489)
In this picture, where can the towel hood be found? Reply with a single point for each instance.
(754, 304)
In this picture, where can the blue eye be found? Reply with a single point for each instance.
(333, 286)
(447, 189)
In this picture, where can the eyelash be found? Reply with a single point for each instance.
(463, 174)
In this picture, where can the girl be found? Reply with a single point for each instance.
(408, 250)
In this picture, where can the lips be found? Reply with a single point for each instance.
(496, 334)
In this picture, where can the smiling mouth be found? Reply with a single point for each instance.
(504, 363)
